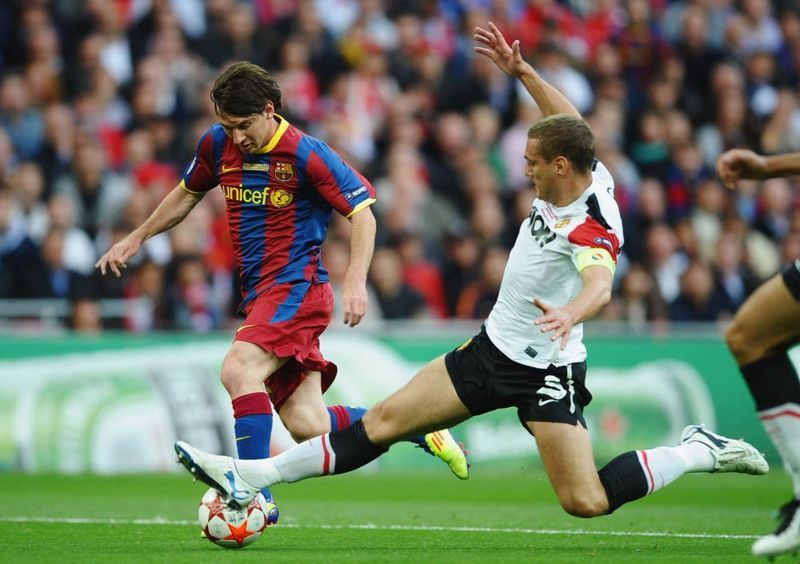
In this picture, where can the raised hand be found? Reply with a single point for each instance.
(507, 57)
(737, 164)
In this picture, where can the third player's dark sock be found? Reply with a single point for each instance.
(775, 387)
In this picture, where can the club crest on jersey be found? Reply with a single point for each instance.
(280, 198)
(561, 223)
(283, 171)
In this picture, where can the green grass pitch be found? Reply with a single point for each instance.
(421, 517)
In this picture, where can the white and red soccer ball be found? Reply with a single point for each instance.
(230, 527)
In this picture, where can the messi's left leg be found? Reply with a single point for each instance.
(305, 416)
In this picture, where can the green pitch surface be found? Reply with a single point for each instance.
(432, 517)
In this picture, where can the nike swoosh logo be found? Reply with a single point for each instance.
(229, 169)
(543, 402)
(235, 492)
(244, 327)
(718, 442)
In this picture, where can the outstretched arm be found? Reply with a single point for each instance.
(738, 164)
(169, 213)
(509, 59)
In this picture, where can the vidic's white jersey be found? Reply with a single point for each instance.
(552, 246)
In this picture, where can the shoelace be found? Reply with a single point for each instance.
(786, 514)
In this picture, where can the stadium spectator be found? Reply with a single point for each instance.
(477, 298)
(19, 255)
(697, 300)
(21, 121)
(641, 302)
(420, 272)
(27, 183)
(397, 299)
(56, 279)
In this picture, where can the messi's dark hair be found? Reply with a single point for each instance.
(567, 136)
(243, 89)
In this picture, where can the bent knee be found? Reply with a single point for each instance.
(744, 346)
(238, 377)
(232, 378)
(582, 505)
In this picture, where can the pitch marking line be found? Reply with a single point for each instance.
(371, 527)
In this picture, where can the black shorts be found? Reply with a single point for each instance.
(485, 379)
(791, 277)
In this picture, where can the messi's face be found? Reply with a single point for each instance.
(249, 133)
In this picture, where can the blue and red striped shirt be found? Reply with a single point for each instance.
(279, 202)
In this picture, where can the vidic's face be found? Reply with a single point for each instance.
(248, 133)
(538, 170)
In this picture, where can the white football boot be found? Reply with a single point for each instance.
(786, 537)
(730, 455)
(217, 471)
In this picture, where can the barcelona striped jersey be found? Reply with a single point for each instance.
(279, 202)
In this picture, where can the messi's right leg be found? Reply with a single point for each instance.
(244, 370)
(427, 403)
(759, 339)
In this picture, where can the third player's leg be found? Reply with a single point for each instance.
(768, 319)
(566, 452)
(427, 403)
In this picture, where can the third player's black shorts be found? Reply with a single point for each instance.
(791, 277)
(485, 379)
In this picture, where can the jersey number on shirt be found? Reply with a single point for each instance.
(539, 230)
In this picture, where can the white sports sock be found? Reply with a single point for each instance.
(783, 427)
(661, 466)
(695, 456)
(310, 458)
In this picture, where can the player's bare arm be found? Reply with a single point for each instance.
(362, 244)
(596, 293)
(169, 213)
(509, 59)
(738, 164)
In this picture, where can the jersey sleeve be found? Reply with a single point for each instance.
(594, 244)
(339, 184)
(201, 174)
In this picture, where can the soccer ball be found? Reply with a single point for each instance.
(230, 527)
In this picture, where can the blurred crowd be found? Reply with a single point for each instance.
(102, 103)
